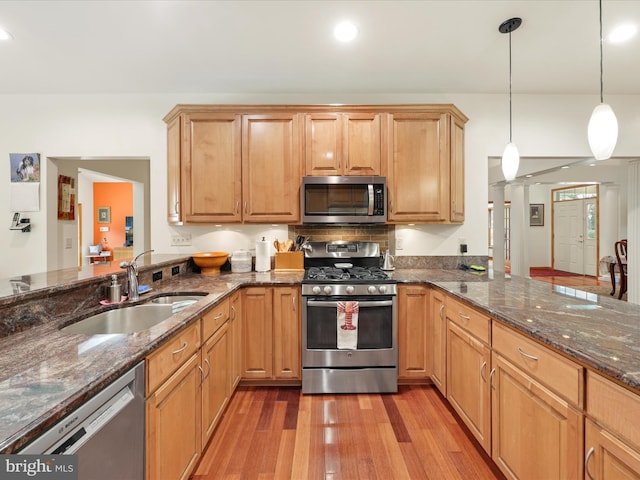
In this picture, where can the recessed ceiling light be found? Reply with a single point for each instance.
(565, 167)
(4, 35)
(528, 176)
(345, 32)
(622, 33)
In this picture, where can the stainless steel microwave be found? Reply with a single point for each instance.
(344, 200)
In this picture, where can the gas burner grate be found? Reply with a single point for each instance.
(327, 273)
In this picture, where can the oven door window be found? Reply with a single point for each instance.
(375, 325)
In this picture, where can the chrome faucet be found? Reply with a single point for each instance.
(132, 275)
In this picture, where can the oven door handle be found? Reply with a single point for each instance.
(379, 303)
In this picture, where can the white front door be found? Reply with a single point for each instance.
(575, 236)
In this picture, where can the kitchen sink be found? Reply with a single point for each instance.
(134, 318)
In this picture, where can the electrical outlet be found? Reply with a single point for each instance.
(399, 243)
(183, 240)
(157, 276)
(175, 270)
(67, 243)
(463, 248)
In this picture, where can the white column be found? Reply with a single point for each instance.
(519, 230)
(498, 228)
(633, 232)
(608, 202)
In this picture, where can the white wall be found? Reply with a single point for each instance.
(132, 126)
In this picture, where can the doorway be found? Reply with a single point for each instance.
(575, 230)
(64, 247)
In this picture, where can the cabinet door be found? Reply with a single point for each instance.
(417, 168)
(437, 342)
(211, 170)
(607, 457)
(536, 434)
(286, 332)
(235, 341)
(173, 424)
(413, 346)
(456, 148)
(361, 143)
(215, 387)
(174, 148)
(323, 144)
(257, 332)
(271, 160)
(467, 385)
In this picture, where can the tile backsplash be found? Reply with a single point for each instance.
(324, 233)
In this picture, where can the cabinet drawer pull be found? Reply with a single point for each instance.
(177, 207)
(293, 302)
(586, 463)
(463, 316)
(181, 349)
(238, 206)
(233, 312)
(219, 316)
(245, 207)
(526, 355)
(491, 373)
(482, 367)
(441, 311)
(202, 376)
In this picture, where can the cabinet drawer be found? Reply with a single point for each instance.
(476, 323)
(214, 319)
(168, 358)
(556, 372)
(614, 407)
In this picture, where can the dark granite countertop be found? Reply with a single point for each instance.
(47, 373)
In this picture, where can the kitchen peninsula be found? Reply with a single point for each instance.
(46, 373)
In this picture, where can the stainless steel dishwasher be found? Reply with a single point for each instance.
(106, 432)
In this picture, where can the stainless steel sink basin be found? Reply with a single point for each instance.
(134, 318)
(122, 320)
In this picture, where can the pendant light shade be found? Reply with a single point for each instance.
(510, 161)
(510, 156)
(603, 125)
(603, 131)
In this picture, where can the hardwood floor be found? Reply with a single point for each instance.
(278, 433)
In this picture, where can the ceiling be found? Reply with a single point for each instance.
(287, 47)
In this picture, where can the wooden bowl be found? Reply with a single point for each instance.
(210, 262)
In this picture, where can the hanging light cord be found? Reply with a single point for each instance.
(601, 68)
(510, 109)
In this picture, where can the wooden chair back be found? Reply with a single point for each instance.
(621, 255)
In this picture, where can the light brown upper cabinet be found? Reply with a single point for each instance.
(271, 168)
(230, 167)
(342, 143)
(425, 166)
(244, 163)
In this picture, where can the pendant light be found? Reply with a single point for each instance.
(603, 125)
(510, 156)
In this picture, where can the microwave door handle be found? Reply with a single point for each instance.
(370, 188)
(321, 303)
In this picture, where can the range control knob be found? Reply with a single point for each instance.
(371, 289)
(350, 289)
(316, 290)
(327, 290)
(382, 288)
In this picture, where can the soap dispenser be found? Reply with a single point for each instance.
(114, 290)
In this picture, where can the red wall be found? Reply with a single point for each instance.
(119, 197)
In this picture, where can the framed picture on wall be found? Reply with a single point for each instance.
(536, 214)
(104, 215)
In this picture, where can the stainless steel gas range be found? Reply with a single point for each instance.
(349, 320)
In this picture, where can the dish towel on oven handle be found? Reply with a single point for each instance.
(347, 325)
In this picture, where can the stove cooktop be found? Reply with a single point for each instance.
(349, 275)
